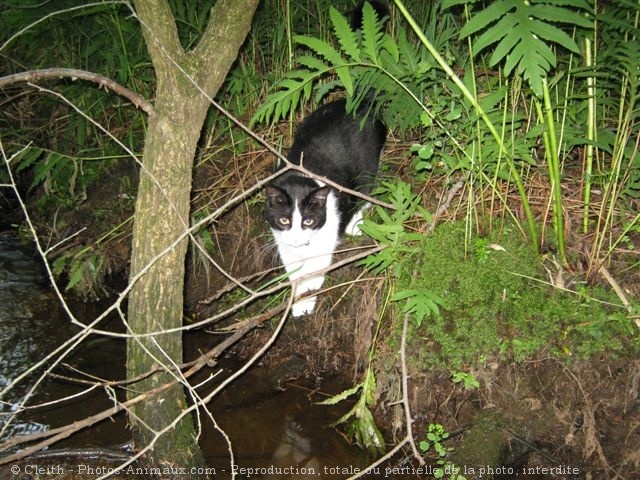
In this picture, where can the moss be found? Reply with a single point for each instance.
(483, 445)
(497, 303)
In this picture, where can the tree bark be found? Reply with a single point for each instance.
(162, 211)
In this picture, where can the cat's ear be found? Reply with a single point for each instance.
(319, 195)
(274, 195)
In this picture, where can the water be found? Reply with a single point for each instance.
(25, 306)
(270, 427)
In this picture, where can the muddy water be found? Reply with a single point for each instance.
(274, 428)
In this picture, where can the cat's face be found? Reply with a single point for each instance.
(296, 213)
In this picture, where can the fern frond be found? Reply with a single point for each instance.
(485, 17)
(296, 86)
(372, 34)
(408, 55)
(312, 63)
(346, 37)
(522, 30)
(555, 14)
(365, 65)
(332, 56)
(532, 57)
(321, 48)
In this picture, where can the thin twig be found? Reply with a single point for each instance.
(65, 431)
(367, 470)
(405, 391)
(455, 188)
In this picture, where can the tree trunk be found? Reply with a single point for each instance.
(162, 212)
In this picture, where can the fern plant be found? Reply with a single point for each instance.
(362, 427)
(522, 35)
(390, 231)
(523, 31)
(364, 60)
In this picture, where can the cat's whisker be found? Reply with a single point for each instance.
(266, 247)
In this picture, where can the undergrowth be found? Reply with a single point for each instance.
(501, 95)
(497, 303)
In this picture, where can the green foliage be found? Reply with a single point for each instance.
(362, 428)
(489, 303)
(363, 61)
(67, 152)
(63, 176)
(419, 303)
(521, 30)
(467, 380)
(492, 304)
(436, 436)
(85, 271)
(473, 306)
(476, 126)
(390, 231)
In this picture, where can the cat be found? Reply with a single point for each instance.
(307, 217)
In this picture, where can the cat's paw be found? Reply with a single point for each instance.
(303, 307)
(353, 227)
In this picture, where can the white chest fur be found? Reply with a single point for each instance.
(306, 251)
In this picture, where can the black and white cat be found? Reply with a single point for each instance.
(307, 217)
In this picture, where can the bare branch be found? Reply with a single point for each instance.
(74, 74)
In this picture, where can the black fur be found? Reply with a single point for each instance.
(334, 144)
(311, 198)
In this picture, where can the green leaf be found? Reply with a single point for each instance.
(407, 53)
(483, 18)
(557, 14)
(76, 274)
(420, 303)
(555, 35)
(25, 157)
(369, 387)
(371, 33)
(390, 46)
(322, 48)
(312, 63)
(341, 396)
(60, 264)
(365, 431)
(346, 37)
(291, 90)
(523, 32)
(345, 77)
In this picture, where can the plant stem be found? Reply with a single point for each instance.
(553, 164)
(531, 225)
(591, 130)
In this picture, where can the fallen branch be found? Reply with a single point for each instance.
(619, 291)
(455, 188)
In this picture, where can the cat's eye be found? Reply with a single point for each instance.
(284, 221)
(308, 221)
